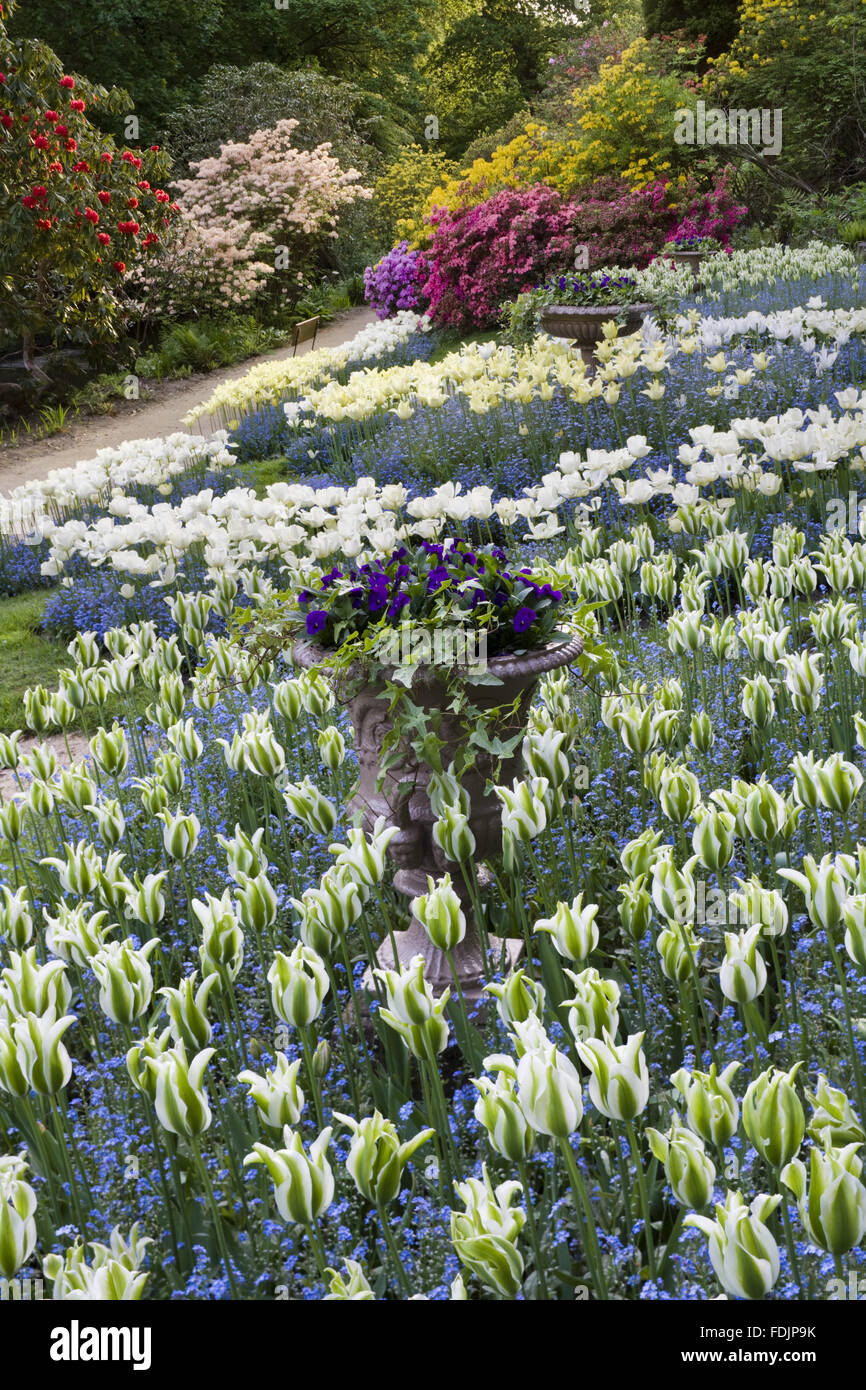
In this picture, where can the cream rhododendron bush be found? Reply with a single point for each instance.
(261, 206)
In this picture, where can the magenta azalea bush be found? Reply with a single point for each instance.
(712, 213)
(484, 255)
(395, 281)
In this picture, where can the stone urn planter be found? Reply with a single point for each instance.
(583, 324)
(407, 806)
(693, 259)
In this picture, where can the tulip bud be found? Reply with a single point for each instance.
(833, 1123)
(688, 1168)
(351, 1287)
(713, 838)
(773, 1116)
(332, 747)
(377, 1158)
(413, 1011)
(679, 793)
(111, 821)
(286, 699)
(146, 903)
(833, 1211)
(498, 1110)
(440, 914)
(594, 1009)
(640, 854)
(760, 906)
(299, 983)
(524, 814)
(303, 1183)
(256, 903)
(141, 1076)
(222, 949)
(180, 834)
(110, 751)
(31, 1049)
(742, 1250)
(673, 890)
(307, 804)
(743, 973)
(181, 1101)
(16, 923)
(453, 834)
(572, 929)
(543, 756)
(322, 1060)
(635, 910)
(678, 948)
(619, 1085)
(277, 1094)
(701, 732)
(757, 703)
(518, 997)
(365, 859)
(824, 888)
(548, 1087)
(17, 1223)
(711, 1106)
(187, 1011)
(485, 1234)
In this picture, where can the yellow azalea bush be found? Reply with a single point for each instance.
(401, 192)
(623, 126)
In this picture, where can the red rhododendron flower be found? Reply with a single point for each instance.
(104, 238)
(44, 223)
(132, 202)
(29, 201)
(82, 167)
(52, 116)
(71, 145)
(92, 215)
(40, 142)
(76, 105)
(67, 82)
(106, 157)
(143, 185)
(104, 196)
(39, 190)
(61, 130)
(129, 228)
(6, 120)
(161, 196)
(56, 167)
(119, 266)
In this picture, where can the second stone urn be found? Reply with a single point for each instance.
(404, 801)
(583, 323)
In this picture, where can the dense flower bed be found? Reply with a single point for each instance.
(666, 1098)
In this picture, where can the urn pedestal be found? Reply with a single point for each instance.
(404, 801)
(583, 325)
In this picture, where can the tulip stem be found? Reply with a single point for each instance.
(643, 1196)
(391, 1249)
(219, 1233)
(307, 1050)
(590, 1238)
(523, 1170)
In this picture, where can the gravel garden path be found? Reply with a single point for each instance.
(161, 415)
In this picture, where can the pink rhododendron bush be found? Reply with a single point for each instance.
(486, 254)
(260, 209)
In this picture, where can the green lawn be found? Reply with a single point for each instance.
(27, 658)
